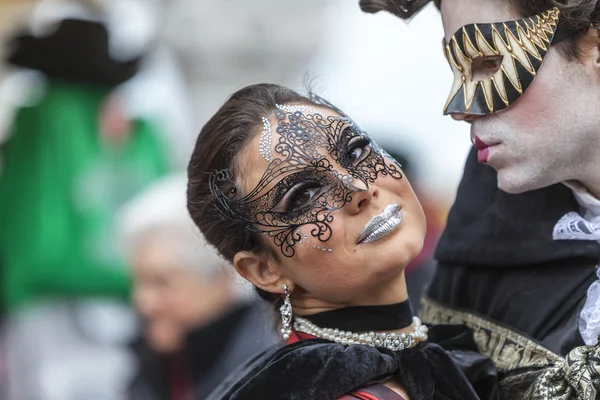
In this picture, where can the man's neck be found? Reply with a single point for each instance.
(589, 174)
(588, 201)
(593, 188)
(591, 179)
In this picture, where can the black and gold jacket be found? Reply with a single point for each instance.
(521, 292)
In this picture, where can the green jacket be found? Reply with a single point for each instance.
(60, 187)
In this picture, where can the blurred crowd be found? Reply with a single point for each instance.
(108, 290)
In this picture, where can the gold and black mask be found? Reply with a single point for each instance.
(516, 49)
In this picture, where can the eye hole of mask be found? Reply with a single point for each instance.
(485, 67)
(358, 149)
(300, 196)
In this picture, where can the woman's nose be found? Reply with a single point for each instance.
(362, 199)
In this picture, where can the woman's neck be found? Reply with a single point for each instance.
(391, 292)
(385, 308)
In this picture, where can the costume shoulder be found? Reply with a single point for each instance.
(321, 369)
(308, 369)
(490, 228)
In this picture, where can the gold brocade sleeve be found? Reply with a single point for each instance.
(529, 371)
(578, 377)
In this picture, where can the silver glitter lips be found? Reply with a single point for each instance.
(381, 225)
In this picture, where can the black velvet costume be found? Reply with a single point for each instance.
(501, 273)
(322, 369)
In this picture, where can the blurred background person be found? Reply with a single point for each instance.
(199, 321)
(71, 157)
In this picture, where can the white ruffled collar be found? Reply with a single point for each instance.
(584, 225)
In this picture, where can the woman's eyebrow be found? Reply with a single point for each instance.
(286, 179)
(341, 137)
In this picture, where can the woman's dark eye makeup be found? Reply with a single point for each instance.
(358, 148)
(302, 189)
(301, 195)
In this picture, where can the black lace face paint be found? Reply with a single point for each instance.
(515, 49)
(317, 164)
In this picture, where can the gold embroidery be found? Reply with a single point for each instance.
(576, 376)
(515, 386)
(508, 349)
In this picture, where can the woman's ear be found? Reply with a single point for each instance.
(595, 39)
(260, 271)
(589, 47)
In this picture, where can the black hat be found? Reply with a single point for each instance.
(77, 51)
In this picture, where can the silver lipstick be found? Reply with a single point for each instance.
(381, 225)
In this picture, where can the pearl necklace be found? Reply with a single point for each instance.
(393, 341)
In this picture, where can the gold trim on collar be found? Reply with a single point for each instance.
(507, 348)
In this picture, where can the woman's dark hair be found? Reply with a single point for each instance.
(577, 15)
(218, 146)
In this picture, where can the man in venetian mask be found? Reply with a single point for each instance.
(516, 261)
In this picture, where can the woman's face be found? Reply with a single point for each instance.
(313, 185)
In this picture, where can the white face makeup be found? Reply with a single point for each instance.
(548, 135)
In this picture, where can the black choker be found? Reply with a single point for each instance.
(366, 318)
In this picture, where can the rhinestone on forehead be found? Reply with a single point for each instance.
(298, 107)
(265, 140)
(266, 136)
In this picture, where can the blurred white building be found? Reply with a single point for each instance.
(391, 77)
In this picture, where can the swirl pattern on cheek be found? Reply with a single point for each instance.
(316, 166)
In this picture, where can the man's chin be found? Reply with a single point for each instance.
(516, 183)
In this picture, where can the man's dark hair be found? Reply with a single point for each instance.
(577, 15)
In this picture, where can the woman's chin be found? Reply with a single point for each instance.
(399, 248)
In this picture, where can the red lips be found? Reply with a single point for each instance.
(484, 151)
(479, 144)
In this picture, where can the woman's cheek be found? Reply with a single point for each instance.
(310, 247)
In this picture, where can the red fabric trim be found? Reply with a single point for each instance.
(375, 392)
(180, 379)
(298, 336)
(364, 396)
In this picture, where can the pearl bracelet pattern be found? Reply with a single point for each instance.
(393, 341)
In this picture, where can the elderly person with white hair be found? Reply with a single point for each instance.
(199, 322)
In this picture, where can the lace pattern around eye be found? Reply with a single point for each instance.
(306, 146)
